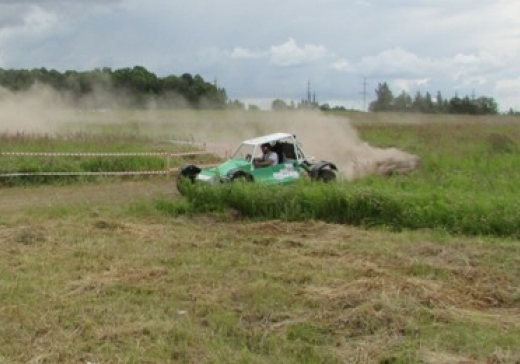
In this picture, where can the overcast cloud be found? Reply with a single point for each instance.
(271, 49)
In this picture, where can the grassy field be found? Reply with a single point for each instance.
(126, 271)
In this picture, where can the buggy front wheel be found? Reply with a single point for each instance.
(243, 177)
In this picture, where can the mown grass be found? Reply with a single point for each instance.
(125, 283)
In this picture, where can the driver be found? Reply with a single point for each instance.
(268, 158)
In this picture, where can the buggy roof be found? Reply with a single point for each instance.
(268, 138)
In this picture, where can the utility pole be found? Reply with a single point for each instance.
(309, 92)
(364, 93)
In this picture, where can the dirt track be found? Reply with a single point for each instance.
(20, 198)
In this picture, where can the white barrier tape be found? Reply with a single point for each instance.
(44, 154)
(131, 173)
(214, 144)
(82, 173)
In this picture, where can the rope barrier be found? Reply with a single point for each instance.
(84, 173)
(125, 173)
(167, 155)
(44, 154)
(188, 142)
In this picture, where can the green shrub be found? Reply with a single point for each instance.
(355, 204)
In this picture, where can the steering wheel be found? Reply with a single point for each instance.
(248, 157)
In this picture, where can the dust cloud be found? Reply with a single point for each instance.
(325, 137)
(334, 139)
(36, 110)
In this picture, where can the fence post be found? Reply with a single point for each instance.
(168, 165)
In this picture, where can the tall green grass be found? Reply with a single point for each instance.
(358, 204)
(467, 184)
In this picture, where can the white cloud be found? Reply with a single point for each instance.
(342, 65)
(240, 52)
(29, 21)
(30, 24)
(393, 61)
(364, 3)
(409, 84)
(398, 62)
(290, 54)
(507, 91)
(286, 54)
(39, 20)
(509, 84)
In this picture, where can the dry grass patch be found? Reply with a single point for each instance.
(104, 283)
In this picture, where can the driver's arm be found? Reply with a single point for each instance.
(260, 163)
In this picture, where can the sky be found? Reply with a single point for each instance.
(262, 50)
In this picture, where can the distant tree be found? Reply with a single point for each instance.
(417, 102)
(138, 83)
(339, 108)
(425, 104)
(480, 106)
(132, 86)
(384, 99)
(403, 102)
(236, 105)
(486, 106)
(279, 105)
(325, 107)
(16, 80)
(440, 103)
(468, 106)
(305, 104)
(456, 105)
(429, 106)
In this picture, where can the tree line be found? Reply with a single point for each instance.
(385, 101)
(138, 87)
